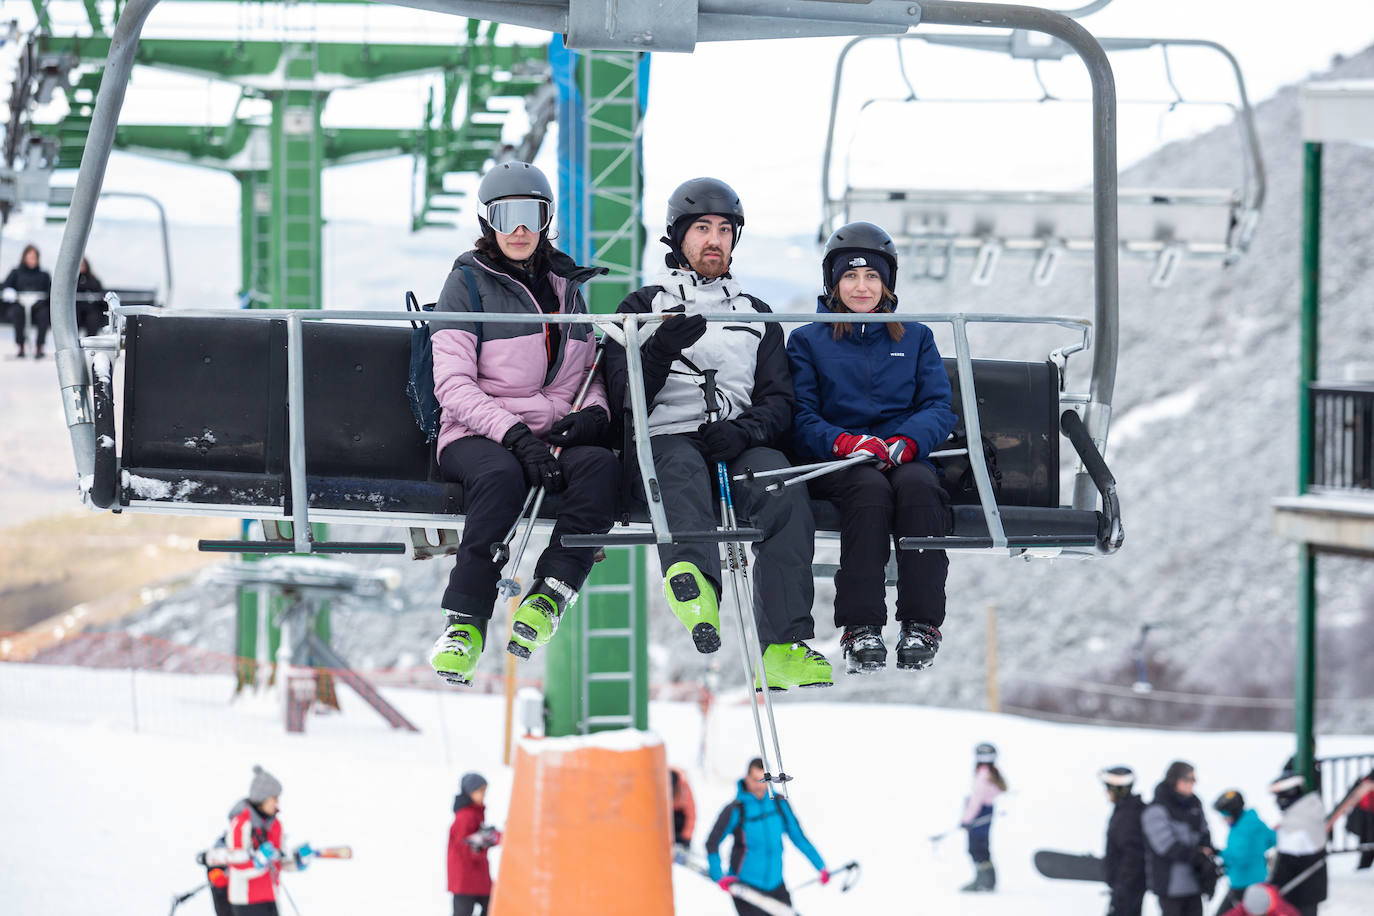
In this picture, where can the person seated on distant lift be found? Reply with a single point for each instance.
(28, 277)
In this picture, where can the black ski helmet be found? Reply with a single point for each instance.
(1230, 803)
(985, 753)
(859, 237)
(701, 197)
(1288, 788)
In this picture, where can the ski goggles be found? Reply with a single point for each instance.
(505, 216)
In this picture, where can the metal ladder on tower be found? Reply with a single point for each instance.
(609, 656)
(298, 193)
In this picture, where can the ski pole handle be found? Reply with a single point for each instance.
(708, 391)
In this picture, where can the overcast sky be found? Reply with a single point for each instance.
(754, 113)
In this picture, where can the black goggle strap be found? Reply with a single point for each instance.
(506, 215)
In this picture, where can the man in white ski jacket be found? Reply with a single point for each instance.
(754, 391)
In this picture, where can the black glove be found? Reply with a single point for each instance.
(581, 427)
(724, 439)
(540, 467)
(672, 337)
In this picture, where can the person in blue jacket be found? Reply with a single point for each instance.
(757, 824)
(1250, 838)
(881, 390)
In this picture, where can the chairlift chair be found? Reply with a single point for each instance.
(1166, 225)
(296, 416)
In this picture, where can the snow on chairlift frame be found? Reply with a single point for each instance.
(1086, 433)
(1165, 225)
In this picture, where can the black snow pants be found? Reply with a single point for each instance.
(40, 318)
(256, 909)
(494, 489)
(876, 508)
(470, 905)
(778, 893)
(783, 588)
(1126, 902)
(1181, 906)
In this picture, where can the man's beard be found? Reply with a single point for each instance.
(711, 270)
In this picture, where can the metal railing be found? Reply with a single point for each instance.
(1340, 776)
(1342, 442)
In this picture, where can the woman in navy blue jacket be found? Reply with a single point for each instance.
(879, 389)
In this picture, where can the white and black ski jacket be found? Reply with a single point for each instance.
(753, 380)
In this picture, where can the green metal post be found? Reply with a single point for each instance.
(1305, 674)
(296, 168)
(597, 673)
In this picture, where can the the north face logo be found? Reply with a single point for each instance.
(858, 262)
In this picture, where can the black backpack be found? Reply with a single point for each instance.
(420, 386)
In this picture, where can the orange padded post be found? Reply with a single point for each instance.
(589, 830)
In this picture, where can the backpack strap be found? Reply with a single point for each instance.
(474, 299)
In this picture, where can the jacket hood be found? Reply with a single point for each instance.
(461, 801)
(1168, 796)
(260, 821)
(560, 265)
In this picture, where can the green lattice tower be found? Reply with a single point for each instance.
(597, 673)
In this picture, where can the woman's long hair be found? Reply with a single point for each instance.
(997, 779)
(845, 328)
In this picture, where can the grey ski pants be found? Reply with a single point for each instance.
(781, 573)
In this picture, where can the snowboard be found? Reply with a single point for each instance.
(740, 891)
(1068, 866)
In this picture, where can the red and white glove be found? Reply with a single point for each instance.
(726, 882)
(902, 449)
(847, 444)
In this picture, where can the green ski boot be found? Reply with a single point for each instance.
(693, 599)
(795, 665)
(456, 652)
(537, 617)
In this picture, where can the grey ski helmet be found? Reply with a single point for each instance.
(985, 753)
(514, 179)
(701, 197)
(859, 238)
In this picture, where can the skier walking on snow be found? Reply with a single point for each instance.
(257, 848)
(1301, 842)
(881, 391)
(754, 387)
(1123, 864)
(507, 392)
(1178, 845)
(1249, 839)
(988, 783)
(756, 825)
(469, 874)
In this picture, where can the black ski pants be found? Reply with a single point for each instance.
(494, 490)
(38, 316)
(877, 507)
(744, 908)
(1181, 906)
(256, 909)
(1126, 902)
(783, 588)
(470, 905)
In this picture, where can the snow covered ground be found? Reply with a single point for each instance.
(99, 818)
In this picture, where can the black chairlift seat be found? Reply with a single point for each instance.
(205, 432)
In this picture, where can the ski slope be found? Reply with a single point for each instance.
(99, 818)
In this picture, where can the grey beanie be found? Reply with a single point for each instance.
(1256, 900)
(264, 786)
(471, 782)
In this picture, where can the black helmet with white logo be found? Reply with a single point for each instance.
(859, 242)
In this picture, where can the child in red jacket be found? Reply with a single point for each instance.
(257, 854)
(469, 875)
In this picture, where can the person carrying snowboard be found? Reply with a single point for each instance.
(757, 825)
(506, 393)
(878, 390)
(988, 783)
(1246, 843)
(754, 390)
(1178, 845)
(469, 874)
(1123, 863)
(257, 851)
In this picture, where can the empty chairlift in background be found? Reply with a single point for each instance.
(935, 226)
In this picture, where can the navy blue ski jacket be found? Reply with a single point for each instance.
(866, 382)
(757, 825)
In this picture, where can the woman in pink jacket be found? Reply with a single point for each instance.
(987, 785)
(506, 391)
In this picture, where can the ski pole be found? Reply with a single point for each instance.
(500, 552)
(851, 878)
(976, 822)
(179, 899)
(738, 562)
(829, 468)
